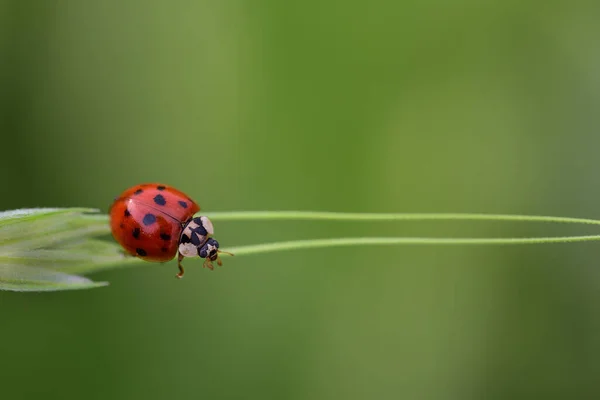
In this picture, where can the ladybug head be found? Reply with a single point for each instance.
(210, 250)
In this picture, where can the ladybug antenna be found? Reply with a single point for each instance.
(225, 252)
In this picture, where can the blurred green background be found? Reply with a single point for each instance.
(410, 106)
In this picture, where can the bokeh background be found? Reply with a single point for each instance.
(357, 106)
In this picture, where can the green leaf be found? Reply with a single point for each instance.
(45, 227)
(18, 278)
(41, 248)
(83, 257)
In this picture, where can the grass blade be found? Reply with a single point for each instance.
(18, 278)
(40, 248)
(39, 228)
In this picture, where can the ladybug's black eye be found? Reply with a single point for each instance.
(202, 251)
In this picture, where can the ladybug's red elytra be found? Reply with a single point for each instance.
(154, 221)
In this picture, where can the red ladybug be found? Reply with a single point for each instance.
(154, 221)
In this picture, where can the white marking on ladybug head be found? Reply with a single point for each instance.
(188, 250)
(207, 224)
(191, 224)
(211, 248)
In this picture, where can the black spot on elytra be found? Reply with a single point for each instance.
(195, 239)
(164, 249)
(149, 219)
(160, 200)
(160, 187)
(185, 239)
(127, 213)
(136, 233)
(141, 252)
(165, 236)
(138, 191)
(182, 203)
(121, 226)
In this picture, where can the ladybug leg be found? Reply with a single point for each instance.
(181, 271)
(208, 264)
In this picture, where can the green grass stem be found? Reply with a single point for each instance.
(48, 249)
(338, 216)
(367, 241)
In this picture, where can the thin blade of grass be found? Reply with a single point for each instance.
(41, 228)
(39, 248)
(32, 279)
(83, 257)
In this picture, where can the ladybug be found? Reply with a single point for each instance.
(154, 222)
